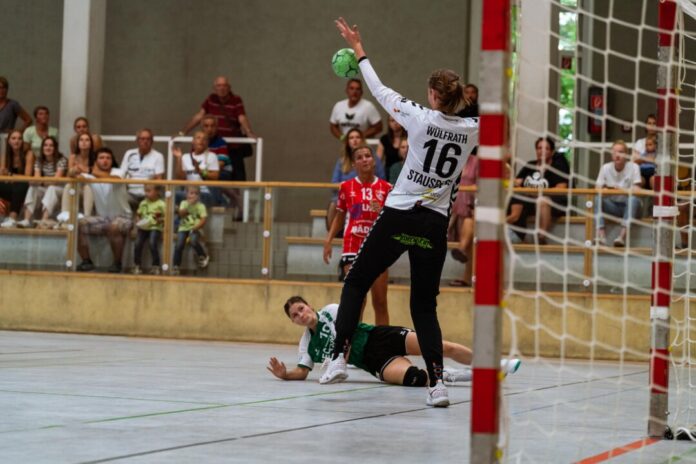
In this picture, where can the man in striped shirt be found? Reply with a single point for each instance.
(232, 121)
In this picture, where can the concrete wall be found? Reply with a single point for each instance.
(573, 326)
(631, 72)
(30, 54)
(162, 55)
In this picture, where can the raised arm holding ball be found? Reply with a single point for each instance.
(416, 212)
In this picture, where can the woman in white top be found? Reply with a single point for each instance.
(619, 173)
(416, 212)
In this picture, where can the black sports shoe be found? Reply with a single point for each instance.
(115, 268)
(86, 266)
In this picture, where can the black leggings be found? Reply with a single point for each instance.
(423, 233)
(15, 193)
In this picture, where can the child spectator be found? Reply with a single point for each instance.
(150, 221)
(646, 159)
(395, 169)
(193, 218)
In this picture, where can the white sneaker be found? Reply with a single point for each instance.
(203, 261)
(8, 223)
(451, 375)
(336, 371)
(510, 366)
(437, 396)
(64, 216)
(25, 223)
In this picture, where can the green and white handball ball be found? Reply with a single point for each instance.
(344, 63)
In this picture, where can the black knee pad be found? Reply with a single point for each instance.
(415, 377)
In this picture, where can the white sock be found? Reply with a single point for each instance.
(457, 375)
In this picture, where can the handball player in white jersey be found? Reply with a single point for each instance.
(416, 213)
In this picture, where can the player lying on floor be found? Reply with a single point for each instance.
(379, 350)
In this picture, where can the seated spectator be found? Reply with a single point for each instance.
(81, 126)
(619, 173)
(343, 170)
(463, 215)
(217, 145)
(193, 218)
(199, 165)
(14, 163)
(389, 143)
(471, 110)
(142, 163)
(10, 110)
(355, 113)
(232, 121)
(149, 220)
(650, 130)
(49, 164)
(113, 214)
(548, 170)
(686, 179)
(34, 135)
(395, 169)
(646, 160)
(80, 164)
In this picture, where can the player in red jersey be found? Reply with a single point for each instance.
(362, 199)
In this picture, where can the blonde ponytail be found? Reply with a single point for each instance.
(449, 89)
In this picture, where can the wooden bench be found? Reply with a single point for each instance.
(33, 247)
(554, 264)
(305, 257)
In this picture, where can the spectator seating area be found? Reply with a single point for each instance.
(236, 249)
(581, 261)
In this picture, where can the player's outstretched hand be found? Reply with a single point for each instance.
(277, 368)
(352, 36)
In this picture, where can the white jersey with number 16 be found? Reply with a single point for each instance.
(439, 146)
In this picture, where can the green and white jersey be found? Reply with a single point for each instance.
(316, 346)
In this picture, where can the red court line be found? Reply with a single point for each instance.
(618, 451)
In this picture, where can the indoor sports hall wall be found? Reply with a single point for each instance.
(162, 55)
(251, 310)
(30, 55)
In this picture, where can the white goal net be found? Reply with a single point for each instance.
(601, 278)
